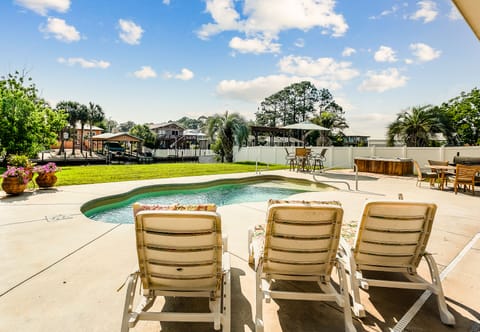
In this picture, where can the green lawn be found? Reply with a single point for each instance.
(71, 175)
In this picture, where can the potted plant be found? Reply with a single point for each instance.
(46, 175)
(20, 160)
(15, 180)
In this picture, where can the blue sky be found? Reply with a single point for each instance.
(160, 60)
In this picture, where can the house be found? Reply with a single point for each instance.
(167, 134)
(68, 139)
(353, 138)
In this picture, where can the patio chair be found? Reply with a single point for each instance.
(392, 237)
(290, 159)
(424, 175)
(180, 253)
(300, 243)
(465, 175)
(302, 156)
(318, 159)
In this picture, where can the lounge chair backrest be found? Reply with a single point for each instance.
(393, 235)
(179, 250)
(301, 239)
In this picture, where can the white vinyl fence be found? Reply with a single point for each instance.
(343, 157)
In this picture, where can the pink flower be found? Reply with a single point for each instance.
(20, 172)
(50, 167)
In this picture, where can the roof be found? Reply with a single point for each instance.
(118, 137)
(470, 10)
(165, 125)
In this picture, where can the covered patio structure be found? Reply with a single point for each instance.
(125, 139)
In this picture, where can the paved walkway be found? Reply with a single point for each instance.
(60, 270)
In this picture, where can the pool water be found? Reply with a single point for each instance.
(219, 195)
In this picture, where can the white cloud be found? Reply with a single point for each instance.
(300, 42)
(387, 12)
(348, 51)
(60, 30)
(43, 6)
(383, 80)
(424, 52)
(261, 87)
(130, 33)
(145, 72)
(166, 2)
(224, 15)
(373, 124)
(454, 14)
(184, 75)
(408, 61)
(324, 68)
(84, 63)
(267, 18)
(385, 54)
(427, 11)
(254, 45)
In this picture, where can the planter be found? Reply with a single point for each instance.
(46, 180)
(13, 185)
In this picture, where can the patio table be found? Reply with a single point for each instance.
(442, 171)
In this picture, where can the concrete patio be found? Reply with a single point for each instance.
(61, 270)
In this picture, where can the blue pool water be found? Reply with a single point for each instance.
(219, 195)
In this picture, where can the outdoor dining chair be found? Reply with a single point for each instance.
(424, 175)
(465, 175)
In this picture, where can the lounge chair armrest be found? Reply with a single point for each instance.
(226, 262)
(135, 273)
(344, 248)
(224, 243)
(256, 242)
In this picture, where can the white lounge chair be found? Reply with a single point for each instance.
(300, 244)
(180, 253)
(392, 237)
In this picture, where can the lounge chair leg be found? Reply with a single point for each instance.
(445, 315)
(259, 301)
(357, 308)
(226, 312)
(347, 314)
(130, 295)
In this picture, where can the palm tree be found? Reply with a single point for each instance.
(228, 129)
(71, 107)
(83, 118)
(414, 126)
(95, 115)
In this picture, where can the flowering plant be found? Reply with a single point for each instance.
(50, 167)
(22, 173)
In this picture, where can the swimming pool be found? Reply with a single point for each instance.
(118, 209)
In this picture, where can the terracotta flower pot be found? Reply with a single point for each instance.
(46, 180)
(13, 185)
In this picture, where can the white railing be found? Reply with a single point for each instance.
(343, 157)
(179, 153)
